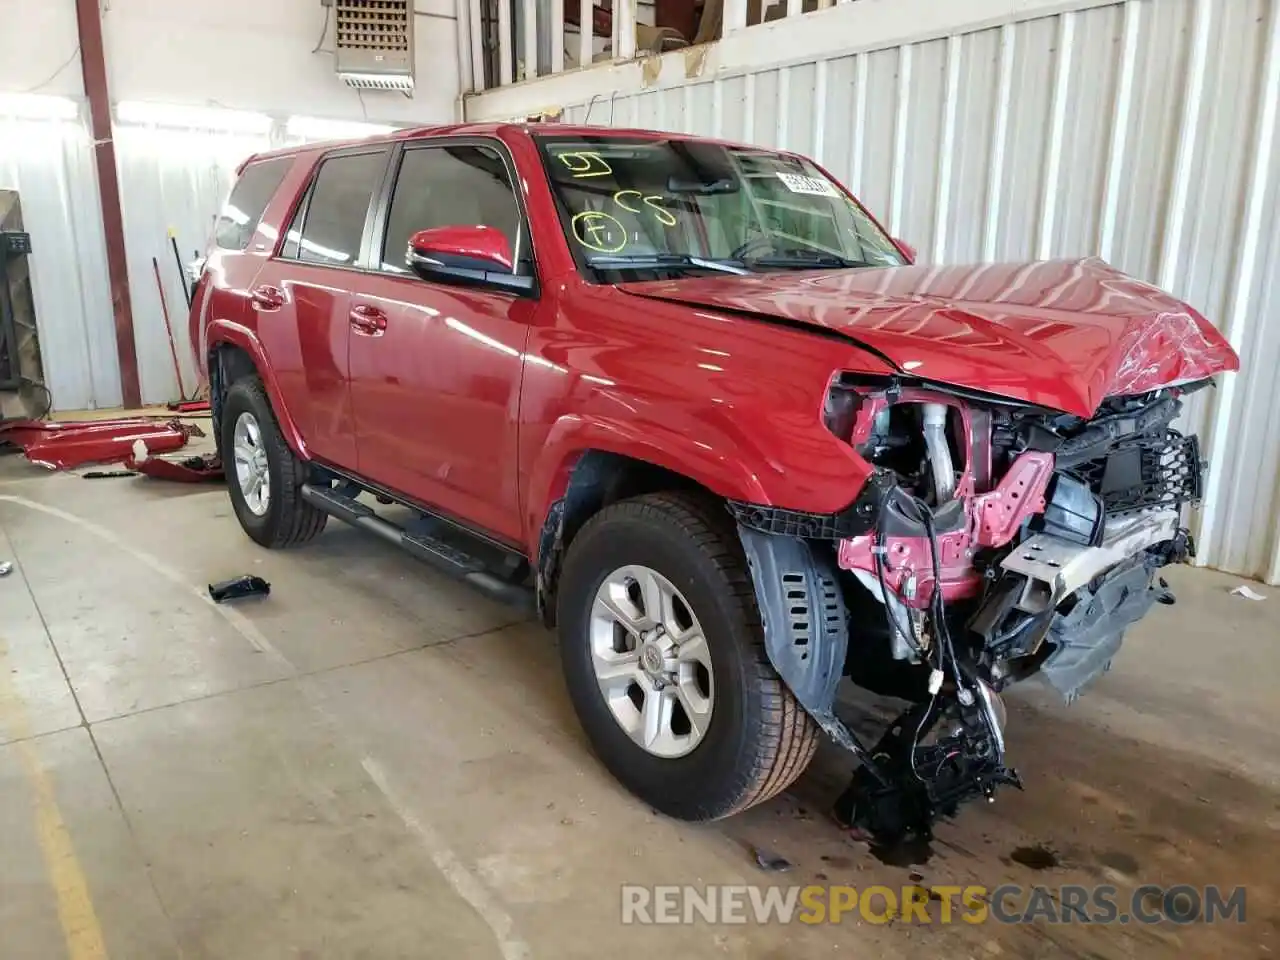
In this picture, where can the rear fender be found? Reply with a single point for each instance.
(227, 332)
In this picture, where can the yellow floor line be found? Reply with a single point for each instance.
(79, 921)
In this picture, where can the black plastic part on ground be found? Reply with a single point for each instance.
(925, 782)
(238, 588)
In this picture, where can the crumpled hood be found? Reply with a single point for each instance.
(1060, 334)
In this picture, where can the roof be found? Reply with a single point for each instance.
(492, 129)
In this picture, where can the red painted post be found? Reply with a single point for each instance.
(93, 65)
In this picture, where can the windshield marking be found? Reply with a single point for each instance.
(617, 198)
(592, 164)
(591, 223)
(665, 216)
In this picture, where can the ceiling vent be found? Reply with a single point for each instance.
(374, 44)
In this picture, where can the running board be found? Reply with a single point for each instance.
(445, 557)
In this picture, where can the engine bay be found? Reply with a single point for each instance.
(993, 542)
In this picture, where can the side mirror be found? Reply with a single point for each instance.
(907, 249)
(469, 255)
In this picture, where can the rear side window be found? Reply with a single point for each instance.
(249, 198)
(449, 186)
(328, 227)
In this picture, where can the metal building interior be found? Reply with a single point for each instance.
(381, 760)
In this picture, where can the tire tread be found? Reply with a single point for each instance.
(788, 736)
(299, 522)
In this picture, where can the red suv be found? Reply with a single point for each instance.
(692, 401)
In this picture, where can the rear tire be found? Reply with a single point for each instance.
(758, 739)
(280, 518)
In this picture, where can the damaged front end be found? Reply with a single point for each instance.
(992, 541)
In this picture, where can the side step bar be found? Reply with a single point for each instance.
(443, 556)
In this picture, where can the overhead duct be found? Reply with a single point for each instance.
(374, 44)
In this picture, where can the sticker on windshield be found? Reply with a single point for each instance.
(814, 186)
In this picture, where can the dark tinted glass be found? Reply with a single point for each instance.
(252, 192)
(448, 187)
(337, 209)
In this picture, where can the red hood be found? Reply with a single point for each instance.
(1060, 334)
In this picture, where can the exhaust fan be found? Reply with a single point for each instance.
(374, 44)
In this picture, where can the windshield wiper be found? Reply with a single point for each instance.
(805, 260)
(663, 261)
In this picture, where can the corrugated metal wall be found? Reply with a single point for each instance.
(169, 179)
(1143, 132)
(50, 164)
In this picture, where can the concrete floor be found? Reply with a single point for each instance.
(377, 762)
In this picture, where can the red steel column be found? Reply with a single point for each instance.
(93, 64)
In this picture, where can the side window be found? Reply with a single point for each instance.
(329, 225)
(450, 186)
(249, 198)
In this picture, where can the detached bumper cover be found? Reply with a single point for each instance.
(63, 446)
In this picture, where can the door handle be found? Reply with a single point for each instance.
(267, 298)
(368, 320)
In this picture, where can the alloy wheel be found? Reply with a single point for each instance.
(252, 473)
(651, 661)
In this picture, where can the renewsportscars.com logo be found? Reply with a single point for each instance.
(1008, 903)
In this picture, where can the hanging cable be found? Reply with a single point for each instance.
(56, 73)
(324, 31)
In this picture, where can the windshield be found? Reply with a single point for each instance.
(636, 209)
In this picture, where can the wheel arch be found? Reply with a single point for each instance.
(591, 480)
(808, 651)
(235, 352)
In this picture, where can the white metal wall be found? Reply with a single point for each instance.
(1143, 132)
(50, 163)
(170, 180)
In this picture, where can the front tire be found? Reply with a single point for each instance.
(676, 695)
(263, 475)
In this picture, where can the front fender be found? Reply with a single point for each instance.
(708, 460)
(227, 332)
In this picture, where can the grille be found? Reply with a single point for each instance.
(1144, 472)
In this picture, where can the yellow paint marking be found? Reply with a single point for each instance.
(79, 921)
(599, 231)
(586, 164)
(617, 198)
(665, 216)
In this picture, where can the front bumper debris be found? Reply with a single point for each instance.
(1055, 568)
(68, 444)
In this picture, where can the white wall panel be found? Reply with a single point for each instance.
(255, 55)
(170, 179)
(244, 54)
(1140, 130)
(40, 48)
(50, 164)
